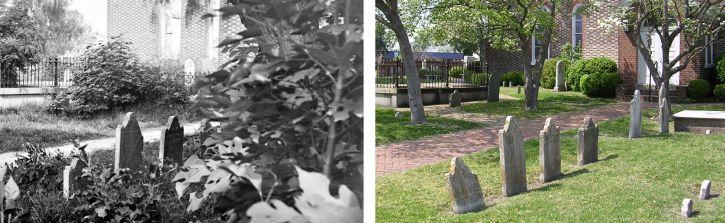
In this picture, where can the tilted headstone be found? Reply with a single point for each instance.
(171, 145)
(129, 144)
(550, 151)
(512, 158)
(559, 86)
(70, 175)
(635, 115)
(705, 190)
(463, 188)
(686, 210)
(454, 100)
(587, 140)
(664, 111)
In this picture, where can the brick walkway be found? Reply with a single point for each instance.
(401, 156)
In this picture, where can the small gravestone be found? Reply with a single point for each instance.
(511, 83)
(708, 131)
(635, 115)
(463, 188)
(587, 140)
(204, 130)
(493, 88)
(171, 145)
(398, 115)
(455, 99)
(705, 190)
(129, 144)
(70, 175)
(559, 86)
(549, 151)
(512, 158)
(686, 210)
(664, 110)
(518, 89)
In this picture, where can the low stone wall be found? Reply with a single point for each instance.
(398, 97)
(13, 97)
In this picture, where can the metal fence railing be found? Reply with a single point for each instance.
(47, 72)
(432, 74)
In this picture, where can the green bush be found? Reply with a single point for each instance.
(548, 73)
(720, 92)
(574, 73)
(600, 85)
(458, 71)
(516, 77)
(476, 78)
(583, 67)
(721, 69)
(698, 89)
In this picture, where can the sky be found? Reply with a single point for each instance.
(94, 14)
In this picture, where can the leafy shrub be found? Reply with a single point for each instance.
(574, 74)
(516, 77)
(698, 89)
(548, 73)
(720, 92)
(601, 85)
(583, 67)
(721, 69)
(476, 78)
(458, 71)
(475, 67)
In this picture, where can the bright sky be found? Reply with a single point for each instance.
(94, 14)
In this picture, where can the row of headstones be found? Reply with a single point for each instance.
(635, 115)
(686, 210)
(463, 186)
(129, 147)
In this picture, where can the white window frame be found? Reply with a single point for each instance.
(533, 44)
(709, 51)
(573, 25)
(213, 31)
(170, 15)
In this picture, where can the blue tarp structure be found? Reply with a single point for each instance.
(427, 55)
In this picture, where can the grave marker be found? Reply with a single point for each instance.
(664, 110)
(705, 190)
(559, 86)
(171, 145)
(550, 151)
(686, 210)
(454, 100)
(635, 115)
(493, 91)
(587, 140)
(129, 144)
(463, 188)
(512, 158)
(70, 175)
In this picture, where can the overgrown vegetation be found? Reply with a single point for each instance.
(514, 77)
(600, 85)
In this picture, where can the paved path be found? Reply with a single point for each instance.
(149, 135)
(401, 156)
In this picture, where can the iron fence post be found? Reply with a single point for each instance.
(396, 75)
(445, 72)
(55, 72)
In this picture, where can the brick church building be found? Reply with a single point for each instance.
(594, 40)
(161, 30)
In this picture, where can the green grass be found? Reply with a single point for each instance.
(635, 180)
(549, 103)
(389, 129)
(19, 125)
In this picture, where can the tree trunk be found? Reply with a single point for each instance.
(531, 90)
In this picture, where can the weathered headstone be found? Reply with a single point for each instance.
(493, 88)
(512, 158)
(686, 210)
(635, 115)
(664, 112)
(511, 83)
(705, 190)
(70, 175)
(171, 145)
(549, 151)
(204, 130)
(463, 188)
(454, 100)
(587, 140)
(559, 85)
(518, 89)
(129, 144)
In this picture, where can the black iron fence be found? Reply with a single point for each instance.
(47, 72)
(432, 74)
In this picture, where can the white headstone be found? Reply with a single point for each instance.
(559, 86)
(635, 115)
(705, 190)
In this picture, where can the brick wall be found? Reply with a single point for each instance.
(598, 41)
(627, 59)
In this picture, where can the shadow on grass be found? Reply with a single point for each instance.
(573, 174)
(609, 157)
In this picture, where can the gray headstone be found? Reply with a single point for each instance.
(70, 175)
(493, 88)
(635, 115)
(705, 190)
(204, 130)
(549, 151)
(463, 188)
(587, 140)
(686, 211)
(171, 145)
(559, 86)
(664, 112)
(512, 158)
(455, 99)
(511, 83)
(129, 144)
(518, 89)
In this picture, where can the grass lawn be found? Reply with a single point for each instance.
(389, 129)
(550, 103)
(635, 180)
(31, 123)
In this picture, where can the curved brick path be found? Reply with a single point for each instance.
(401, 156)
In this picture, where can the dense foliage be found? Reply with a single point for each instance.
(516, 77)
(698, 89)
(18, 42)
(600, 85)
(719, 92)
(600, 65)
(721, 69)
(476, 78)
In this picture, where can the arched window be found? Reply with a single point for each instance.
(536, 45)
(576, 27)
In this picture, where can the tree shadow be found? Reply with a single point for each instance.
(609, 157)
(573, 174)
(546, 187)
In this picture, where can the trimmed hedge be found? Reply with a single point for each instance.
(600, 85)
(517, 77)
(548, 73)
(720, 92)
(698, 89)
(588, 66)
